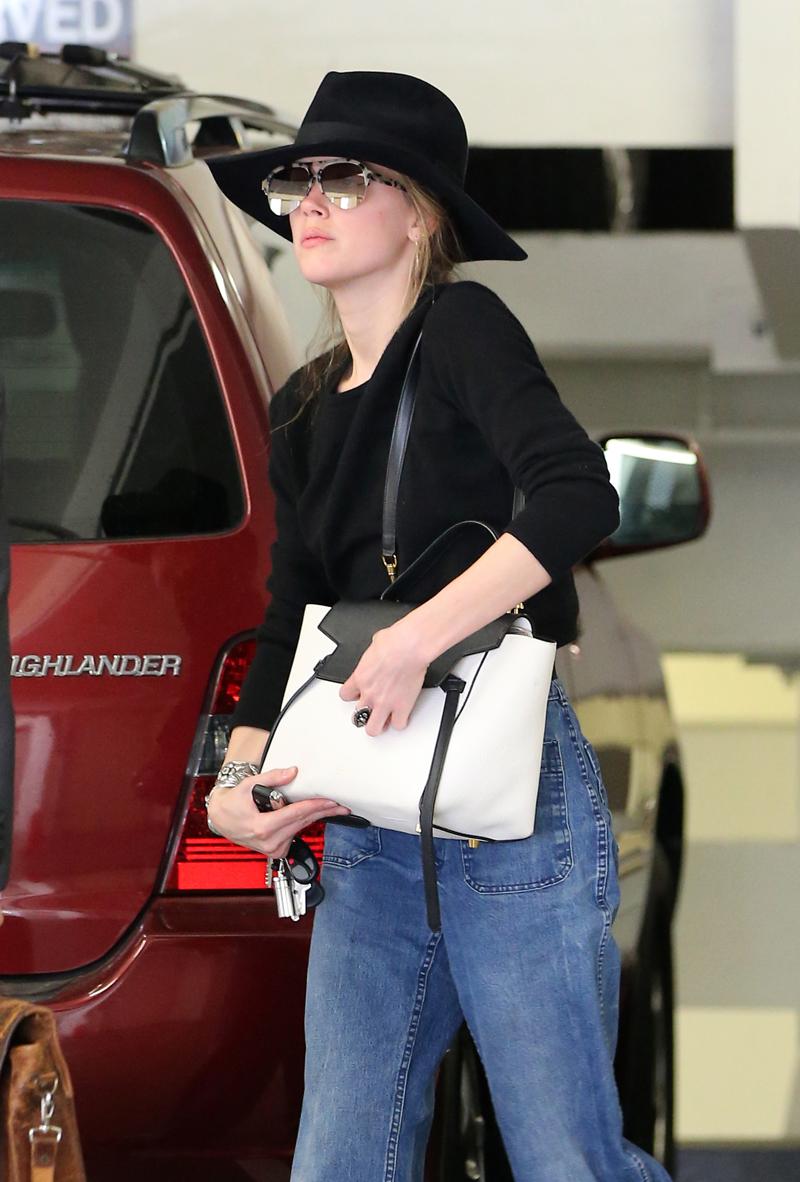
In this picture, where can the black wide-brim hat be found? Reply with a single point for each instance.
(388, 119)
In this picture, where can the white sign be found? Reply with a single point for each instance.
(50, 23)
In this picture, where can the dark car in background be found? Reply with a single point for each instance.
(141, 337)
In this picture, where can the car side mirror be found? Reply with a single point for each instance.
(663, 491)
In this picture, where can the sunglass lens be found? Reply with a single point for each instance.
(343, 183)
(286, 187)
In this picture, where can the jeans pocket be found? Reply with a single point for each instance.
(532, 862)
(347, 845)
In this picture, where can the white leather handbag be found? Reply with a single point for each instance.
(483, 705)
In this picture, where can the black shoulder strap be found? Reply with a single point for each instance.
(394, 467)
(397, 452)
(432, 553)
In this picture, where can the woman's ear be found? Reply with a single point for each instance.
(427, 229)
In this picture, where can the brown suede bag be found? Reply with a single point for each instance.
(35, 1094)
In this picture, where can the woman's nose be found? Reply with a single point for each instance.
(315, 197)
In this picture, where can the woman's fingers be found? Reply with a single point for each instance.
(233, 812)
(387, 679)
(292, 819)
(275, 777)
(287, 820)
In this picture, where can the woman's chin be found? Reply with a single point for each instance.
(317, 271)
(329, 277)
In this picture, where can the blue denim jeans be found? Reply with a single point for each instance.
(525, 954)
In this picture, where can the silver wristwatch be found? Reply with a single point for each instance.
(229, 775)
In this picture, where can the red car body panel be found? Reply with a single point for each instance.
(196, 978)
(82, 871)
(101, 760)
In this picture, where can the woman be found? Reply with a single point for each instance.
(371, 195)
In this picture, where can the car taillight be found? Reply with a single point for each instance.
(204, 862)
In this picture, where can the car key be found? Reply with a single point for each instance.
(300, 888)
(305, 870)
(285, 897)
(294, 899)
(265, 799)
(299, 892)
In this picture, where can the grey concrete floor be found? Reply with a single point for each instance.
(738, 1164)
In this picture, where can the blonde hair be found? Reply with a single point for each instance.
(437, 255)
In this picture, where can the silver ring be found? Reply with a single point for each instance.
(361, 717)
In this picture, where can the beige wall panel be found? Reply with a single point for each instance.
(743, 783)
(621, 72)
(767, 44)
(737, 932)
(720, 688)
(739, 728)
(736, 1074)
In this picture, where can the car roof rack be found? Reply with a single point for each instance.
(88, 80)
(80, 78)
(159, 131)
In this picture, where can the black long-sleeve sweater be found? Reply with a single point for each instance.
(487, 418)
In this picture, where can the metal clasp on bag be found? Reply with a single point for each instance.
(473, 842)
(44, 1137)
(390, 562)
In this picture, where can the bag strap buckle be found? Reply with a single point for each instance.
(44, 1138)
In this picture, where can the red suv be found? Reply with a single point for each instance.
(140, 340)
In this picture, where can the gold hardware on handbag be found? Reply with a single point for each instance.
(39, 1139)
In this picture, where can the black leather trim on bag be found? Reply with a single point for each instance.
(432, 552)
(453, 687)
(352, 624)
(300, 689)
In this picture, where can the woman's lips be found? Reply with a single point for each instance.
(315, 239)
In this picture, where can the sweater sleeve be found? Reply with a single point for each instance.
(485, 362)
(296, 578)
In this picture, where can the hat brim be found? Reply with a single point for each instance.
(239, 177)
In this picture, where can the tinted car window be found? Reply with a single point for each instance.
(115, 423)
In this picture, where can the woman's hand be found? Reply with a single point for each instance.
(388, 678)
(233, 812)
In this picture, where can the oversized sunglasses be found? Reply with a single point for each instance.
(343, 182)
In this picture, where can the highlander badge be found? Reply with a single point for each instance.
(120, 665)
